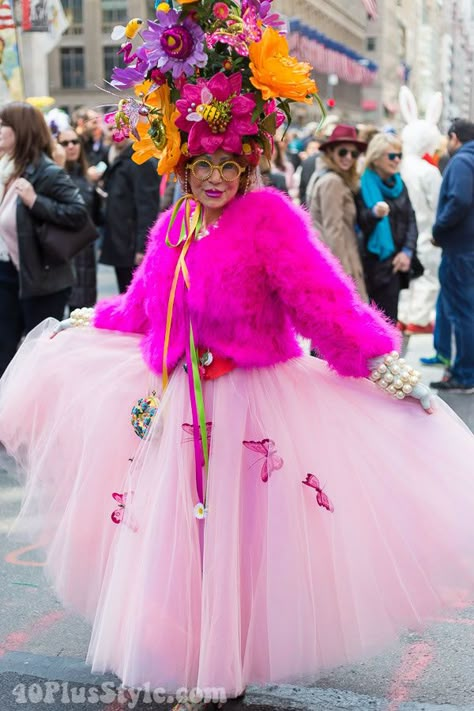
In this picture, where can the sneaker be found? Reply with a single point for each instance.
(413, 328)
(436, 360)
(451, 385)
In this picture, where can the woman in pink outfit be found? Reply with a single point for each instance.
(273, 517)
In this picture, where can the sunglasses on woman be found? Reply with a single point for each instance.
(71, 141)
(392, 156)
(342, 152)
(229, 170)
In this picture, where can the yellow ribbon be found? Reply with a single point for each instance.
(190, 227)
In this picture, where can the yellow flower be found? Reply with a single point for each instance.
(146, 148)
(275, 73)
(186, 2)
(41, 102)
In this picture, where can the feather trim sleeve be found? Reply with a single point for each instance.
(320, 299)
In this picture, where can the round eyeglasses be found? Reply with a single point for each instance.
(229, 170)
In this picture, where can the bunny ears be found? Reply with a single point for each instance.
(409, 109)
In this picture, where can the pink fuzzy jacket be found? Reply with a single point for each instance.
(257, 278)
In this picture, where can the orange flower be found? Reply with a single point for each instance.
(275, 73)
(186, 2)
(172, 151)
(146, 148)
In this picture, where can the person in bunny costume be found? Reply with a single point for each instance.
(423, 180)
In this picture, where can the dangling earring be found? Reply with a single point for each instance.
(186, 185)
(249, 180)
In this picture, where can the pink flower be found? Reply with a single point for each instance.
(216, 115)
(220, 11)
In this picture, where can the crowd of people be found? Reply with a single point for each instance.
(374, 197)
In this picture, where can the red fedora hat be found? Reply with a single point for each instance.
(343, 133)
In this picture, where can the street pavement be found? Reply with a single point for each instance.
(42, 646)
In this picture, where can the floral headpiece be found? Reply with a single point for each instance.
(207, 75)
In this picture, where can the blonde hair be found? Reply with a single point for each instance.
(380, 144)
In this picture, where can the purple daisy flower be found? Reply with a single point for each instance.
(174, 46)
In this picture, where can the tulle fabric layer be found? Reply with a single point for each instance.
(281, 588)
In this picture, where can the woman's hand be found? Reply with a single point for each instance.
(381, 209)
(423, 394)
(401, 262)
(25, 192)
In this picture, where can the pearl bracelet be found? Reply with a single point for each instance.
(81, 317)
(395, 376)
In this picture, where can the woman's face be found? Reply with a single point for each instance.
(7, 139)
(344, 155)
(70, 141)
(208, 185)
(389, 162)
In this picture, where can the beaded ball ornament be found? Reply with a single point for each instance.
(143, 413)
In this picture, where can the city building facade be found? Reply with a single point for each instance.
(86, 54)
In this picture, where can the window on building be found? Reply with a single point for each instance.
(114, 12)
(371, 44)
(73, 12)
(72, 67)
(111, 60)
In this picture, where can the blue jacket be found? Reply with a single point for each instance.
(454, 226)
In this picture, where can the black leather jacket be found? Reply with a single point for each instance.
(58, 201)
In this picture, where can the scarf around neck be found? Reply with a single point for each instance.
(374, 190)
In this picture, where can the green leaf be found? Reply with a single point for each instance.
(269, 124)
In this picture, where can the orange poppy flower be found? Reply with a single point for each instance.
(146, 147)
(277, 74)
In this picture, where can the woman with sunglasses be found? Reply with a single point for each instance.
(224, 509)
(84, 291)
(387, 220)
(330, 199)
(33, 190)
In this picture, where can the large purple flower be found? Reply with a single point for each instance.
(174, 46)
(216, 115)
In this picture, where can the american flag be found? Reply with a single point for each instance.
(329, 61)
(371, 8)
(6, 18)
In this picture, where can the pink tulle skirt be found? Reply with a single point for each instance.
(286, 575)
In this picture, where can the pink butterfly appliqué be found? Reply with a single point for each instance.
(118, 514)
(321, 497)
(271, 460)
(188, 428)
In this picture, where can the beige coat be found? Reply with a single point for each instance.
(333, 212)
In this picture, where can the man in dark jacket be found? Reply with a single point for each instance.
(132, 205)
(453, 231)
